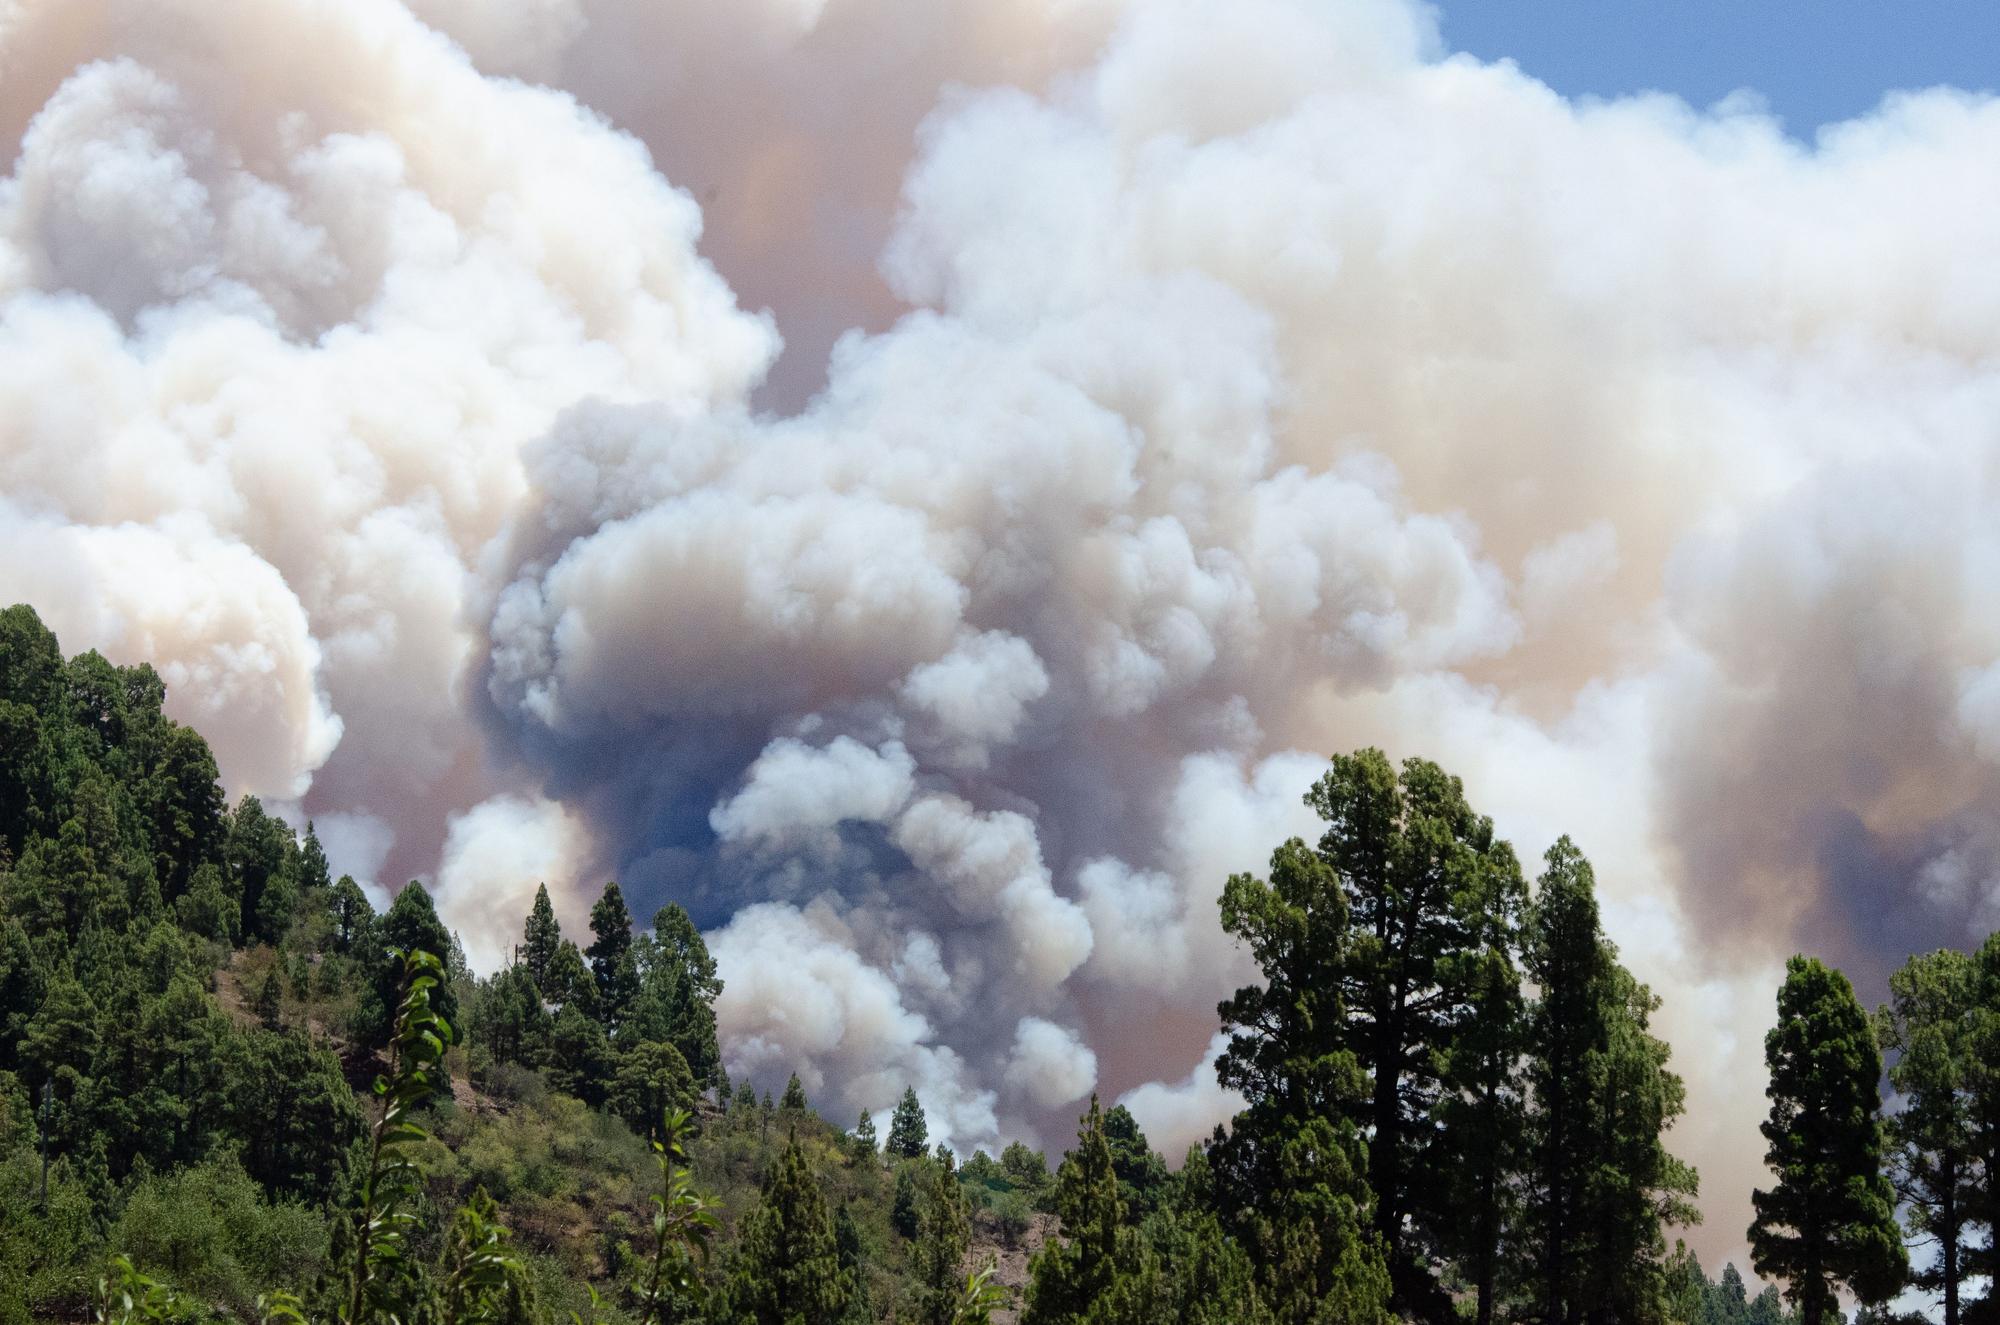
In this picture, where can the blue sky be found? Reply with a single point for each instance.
(1814, 61)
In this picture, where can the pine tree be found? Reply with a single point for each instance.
(1068, 1280)
(788, 1261)
(580, 1056)
(1565, 956)
(613, 968)
(1418, 870)
(848, 1248)
(1199, 1275)
(1142, 1173)
(1289, 1169)
(262, 858)
(1934, 1165)
(908, 1132)
(650, 1079)
(1830, 1218)
(509, 1019)
(864, 1137)
(1482, 1116)
(568, 983)
(1638, 1185)
(56, 1053)
(677, 989)
(944, 1232)
(270, 1000)
(540, 938)
(351, 914)
(903, 1200)
(1600, 1181)
(1732, 1297)
(1982, 1106)
(314, 873)
(410, 925)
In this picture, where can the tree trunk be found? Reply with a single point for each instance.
(1948, 1240)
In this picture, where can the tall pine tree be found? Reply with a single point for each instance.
(907, 1131)
(1289, 1170)
(540, 938)
(1934, 1165)
(613, 967)
(788, 1261)
(1419, 871)
(1599, 1180)
(1830, 1218)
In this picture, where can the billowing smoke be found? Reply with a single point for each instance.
(1173, 397)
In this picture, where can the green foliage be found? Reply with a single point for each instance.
(682, 1225)
(540, 937)
(1142, 1174)
(211, 1232)
(1600, 1182)
(1289, 1170)
(1023, 1166)
(908, 1132)
(1830, 1217)
(903, 1208)
(1935, 1145)
(652, 1082)
(377, 1260)
(613, 968)
(944, 1233)
(677, 989)
(1420, 873)
(580, 1055)
(1073, 1280)
(200, 1122)
(411, 924)
(788, 1263)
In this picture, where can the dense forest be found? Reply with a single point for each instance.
(230, 1090)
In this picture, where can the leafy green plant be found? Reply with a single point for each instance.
(981, 1298)
(381, 1279)
(127, 1297)
(683, 1220)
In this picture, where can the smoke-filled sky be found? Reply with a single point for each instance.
(926, 486)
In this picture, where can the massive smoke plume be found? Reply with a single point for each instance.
(1173, 396)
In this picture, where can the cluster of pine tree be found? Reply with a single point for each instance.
(1842, 1170)
(1453, 1101)
(1421, 1138)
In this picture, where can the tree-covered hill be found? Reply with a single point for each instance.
(229, 1089)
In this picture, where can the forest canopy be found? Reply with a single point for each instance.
(230, 1089)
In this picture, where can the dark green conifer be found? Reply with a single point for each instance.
(1935, 1144)
(269, 1006)
(1071, 1279)
(1289, 1168)
(944, 1232)
(540, 938)
(908, 1133)
(1829, 1219)
(613, 967)
(788, 1260)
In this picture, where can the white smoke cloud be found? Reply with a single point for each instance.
(796, 789)
(496, 855)
(1050, 1063)
(1225, 381)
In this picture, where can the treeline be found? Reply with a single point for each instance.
(266, 1102)
(1843, 1171)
